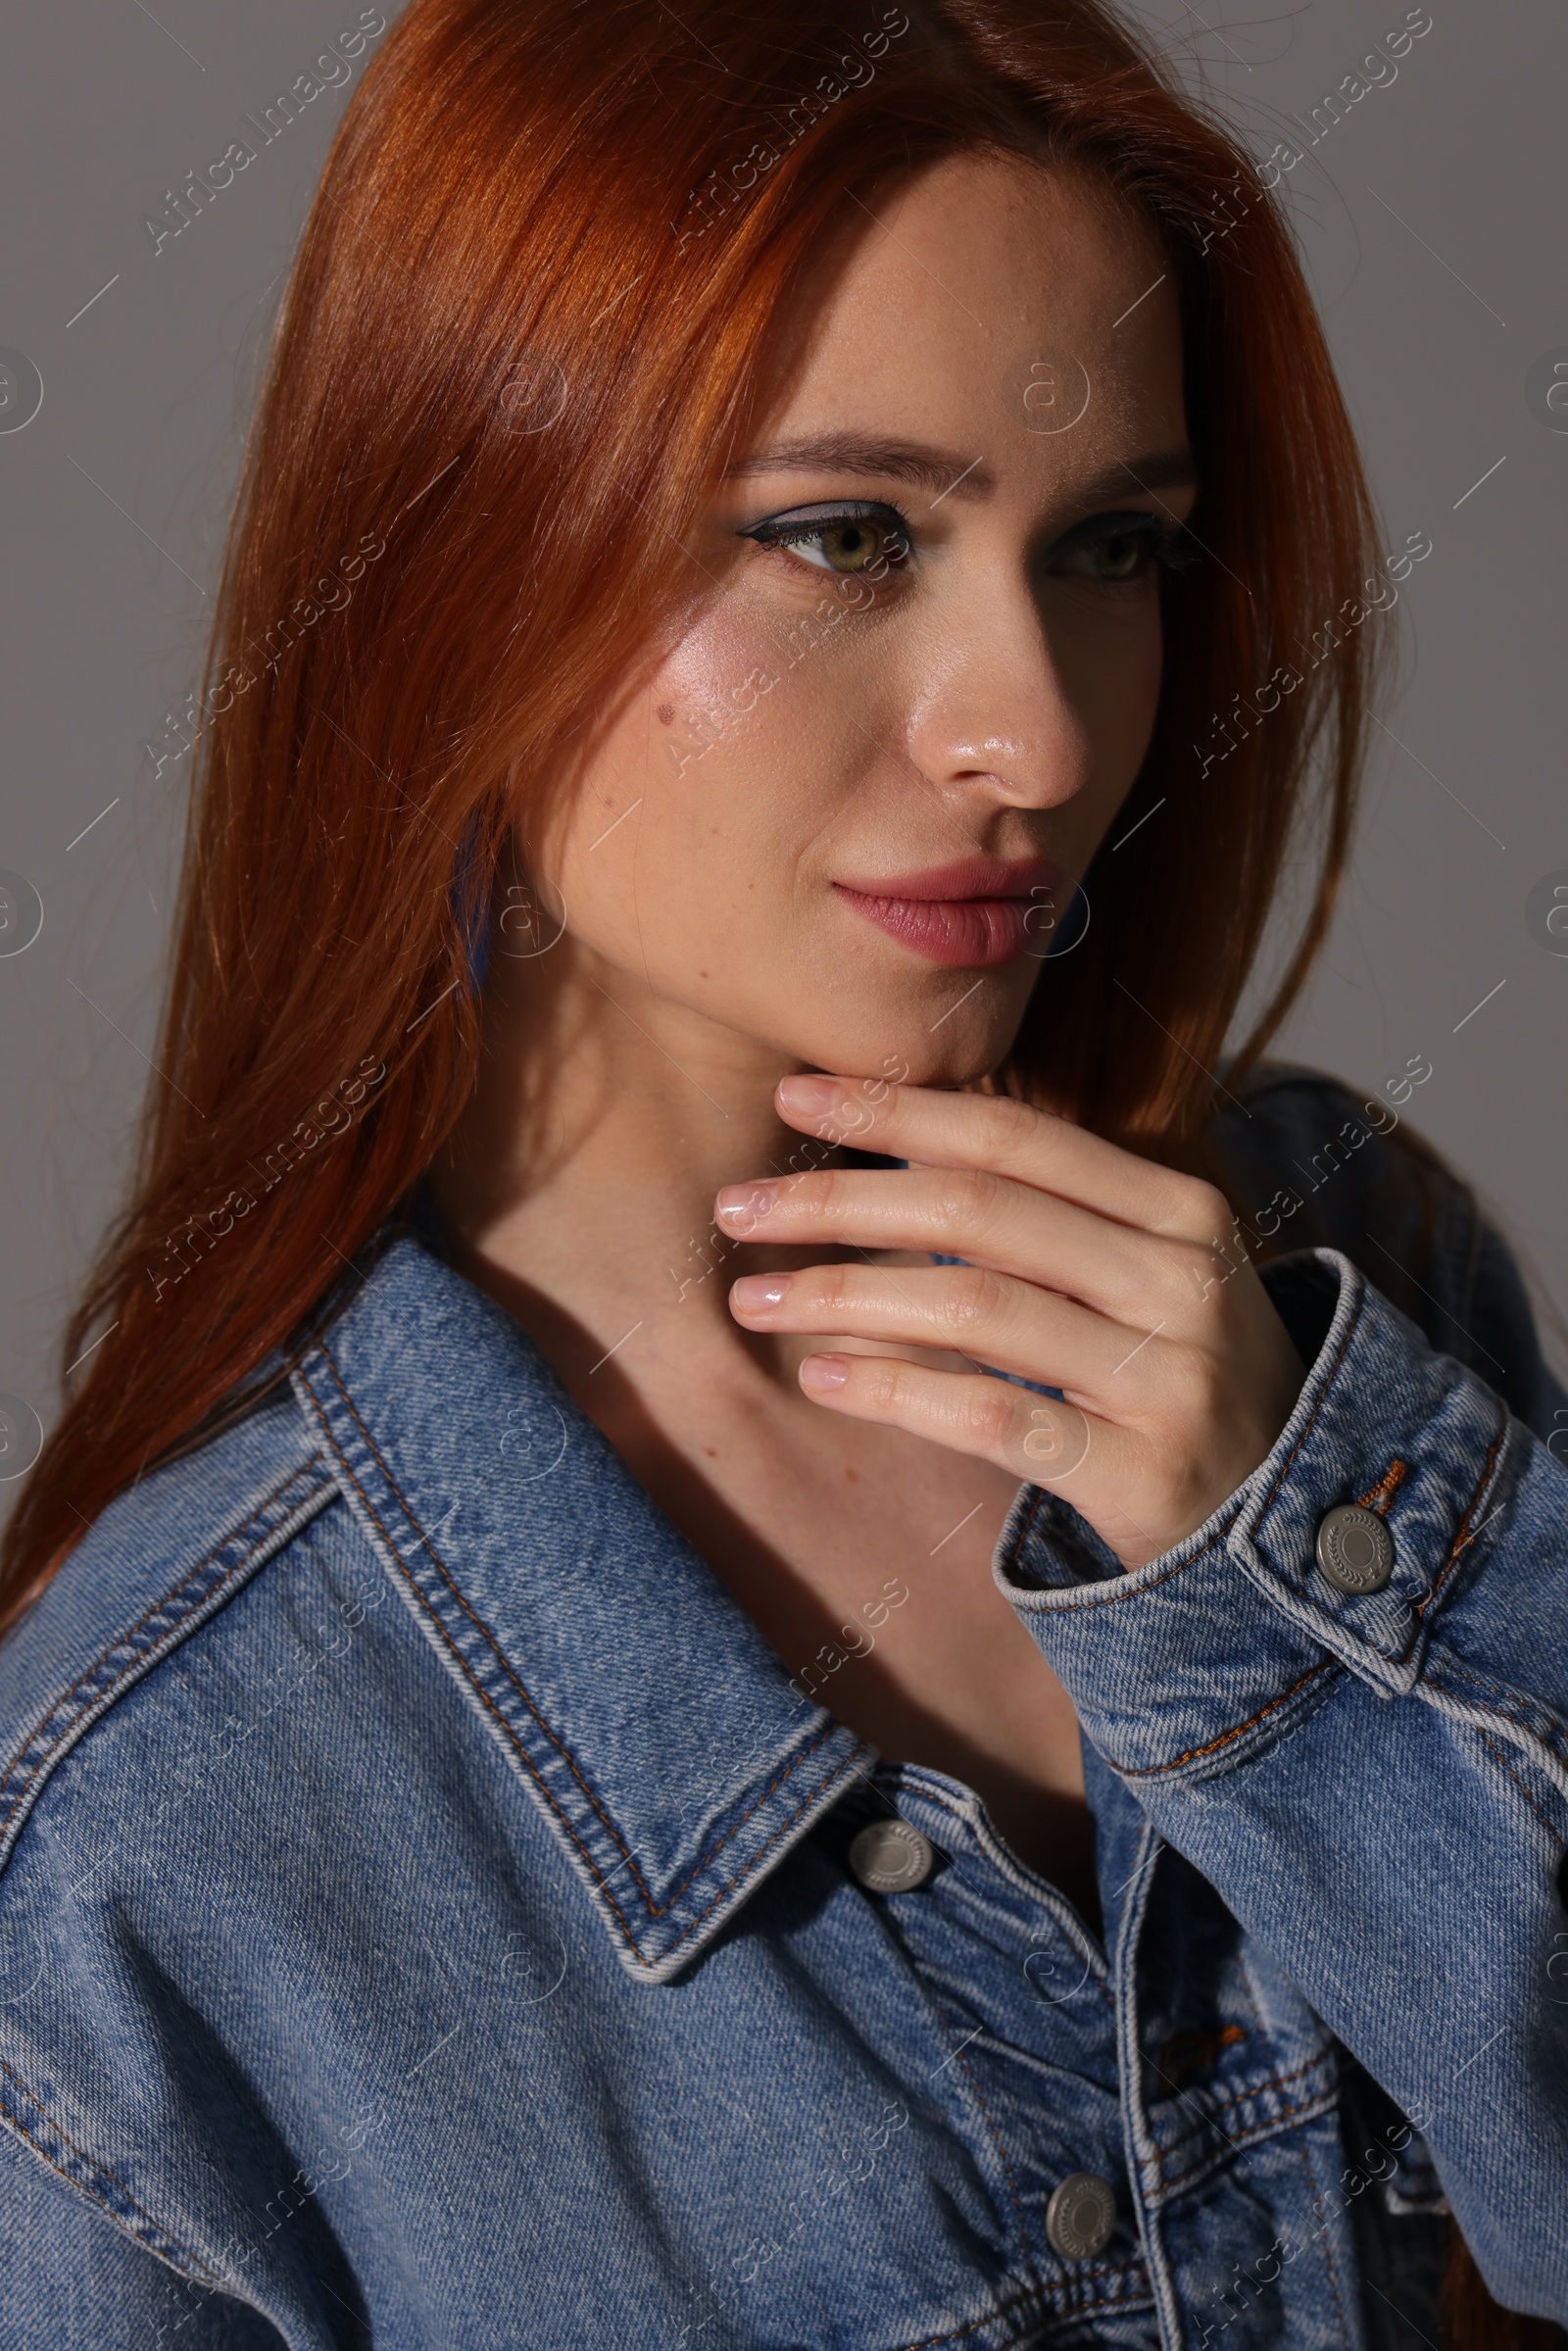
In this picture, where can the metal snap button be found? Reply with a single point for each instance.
(1354, 1549)
(1080, 2215)
(892, 1858)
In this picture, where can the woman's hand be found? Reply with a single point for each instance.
(1087, 1269)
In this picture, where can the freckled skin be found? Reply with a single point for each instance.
(977, 701)
(968, 707)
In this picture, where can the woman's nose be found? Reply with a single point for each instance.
(993, 714)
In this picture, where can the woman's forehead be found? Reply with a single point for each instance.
(1016, 313)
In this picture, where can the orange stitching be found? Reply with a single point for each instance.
(1378, 1498)
(1238, 2098)
(1145, 1771)
(1461, 1538)
(655, 1909)
(102, 2168)
(560, 1745)
(121, 1639)
(1460, 1542)
(202, 2277)
(471, 1614)
(1247, 2136)
(487, 1701)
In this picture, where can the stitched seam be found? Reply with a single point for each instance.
(1004, 2310)
(812, 1795)
(1286, 1466)
(1023, 1532)
(996, 2140)
(1328, 2249)
(488, 1702)
(65, 2139)
(480, 1626)
(1147, 1771)
(1242, 2097)
(1308, 2109)
(657, 1910)
(1495, 1705)
(996, 2136)
(1378, 1498)
(1504, 1764)
(1118, 1592)
(929, 1796)
(1462, 1541)
(122, 1640)
(203, 2277)
(102, 2169)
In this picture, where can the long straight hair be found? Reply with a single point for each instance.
(520, 339)
(522, 335)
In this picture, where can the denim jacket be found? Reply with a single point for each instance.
(426, 1915)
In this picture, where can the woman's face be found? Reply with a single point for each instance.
(847, 811)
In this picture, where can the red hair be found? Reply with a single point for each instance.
(521, 333)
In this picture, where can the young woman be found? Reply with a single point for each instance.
(759, 1626)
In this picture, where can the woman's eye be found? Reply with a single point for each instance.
(1122, 557)
(1121, 552)
(847, 544)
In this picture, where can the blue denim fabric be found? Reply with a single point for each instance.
(425, 1920)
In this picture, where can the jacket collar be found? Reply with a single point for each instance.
(644, 1713)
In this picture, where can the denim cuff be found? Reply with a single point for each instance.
(1225, 1644)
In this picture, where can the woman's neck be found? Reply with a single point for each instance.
(577, 1187)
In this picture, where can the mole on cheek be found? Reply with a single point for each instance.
(666, 714)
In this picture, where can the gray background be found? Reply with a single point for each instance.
(1432, 218)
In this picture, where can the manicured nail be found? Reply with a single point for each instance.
(824, 1371)
(807, 1095)
(744, 1199)
(755, 1291)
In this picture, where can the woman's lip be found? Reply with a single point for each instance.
(970, 877)
(968, 933)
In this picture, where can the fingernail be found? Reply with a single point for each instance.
(824, 1371)
(744, 1199)
(808, 1095)
(755, 1291)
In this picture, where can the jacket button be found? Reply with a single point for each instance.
(1080, 2215)
(891, 1858)
(1354, 1549)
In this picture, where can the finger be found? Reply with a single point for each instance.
(990, 1317)
(953, 1129)
(1031, 1437)
(1137, 1278)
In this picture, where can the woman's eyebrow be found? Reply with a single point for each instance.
(914, 461)
(941, 470)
